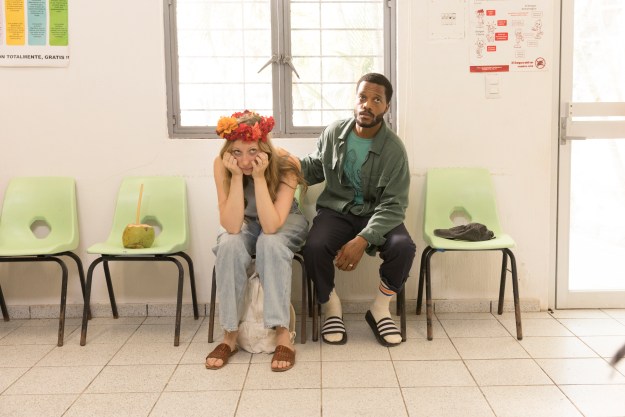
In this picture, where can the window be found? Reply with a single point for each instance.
(297, 60)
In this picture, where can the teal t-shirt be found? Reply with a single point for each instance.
(355, 156)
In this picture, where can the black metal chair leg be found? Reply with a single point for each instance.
(178, 299)
(502, 283)
(86, 309)
(515, 293)
(422, 279)
(315, 316)
(63, 301)
(81, 273)
(196, 313)
(429, 303)
(3, 306)
(109, 285)
(211, 316)
(304, 312)
(401, 297)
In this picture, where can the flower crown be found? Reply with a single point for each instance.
(247, 126)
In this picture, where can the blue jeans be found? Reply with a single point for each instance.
(274, 258)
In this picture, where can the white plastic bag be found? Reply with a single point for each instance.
(253, 337)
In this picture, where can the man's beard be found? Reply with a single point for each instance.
(376, 120)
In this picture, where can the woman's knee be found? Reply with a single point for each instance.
(230, 242)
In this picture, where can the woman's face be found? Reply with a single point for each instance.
(245, 153)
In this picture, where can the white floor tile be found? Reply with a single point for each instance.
(556, 347)
(423, 349)
(23, 355)
(284, 402)
(489, 348)
(361, 374)
(362, 402)
(54, 380)
(163, 333)
(446, 402)
(9, 376)
(198, 378)
(580, 314)
(149, 354)
(580, 371)
(539, 401)
(35, 405)
(302, 375)
(605, 346)
(474, 328)
(76, 355)
(105, 333)
(594, 327)
(507, 372)
(195, 404)
(37, 335)
(538, 327)
(597, 400)
(433, 374)
(131, 378)
(118, 405)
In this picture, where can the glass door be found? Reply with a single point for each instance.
(591, 184)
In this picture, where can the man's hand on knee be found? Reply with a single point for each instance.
(350, 254)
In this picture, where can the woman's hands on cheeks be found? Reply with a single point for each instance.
(230, 162)
(259, 165)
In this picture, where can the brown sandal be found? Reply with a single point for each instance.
(223, 352)
(285, 354)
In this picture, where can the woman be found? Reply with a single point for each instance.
(258, 215)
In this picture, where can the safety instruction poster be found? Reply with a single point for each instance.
(510, 35)
(34, 33)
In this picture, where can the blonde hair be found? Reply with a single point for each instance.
(278, 167)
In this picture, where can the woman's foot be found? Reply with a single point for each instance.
(218, 358)
(284, 357)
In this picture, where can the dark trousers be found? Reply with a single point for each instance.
(331, 230)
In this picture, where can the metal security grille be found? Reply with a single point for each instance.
(297, 60)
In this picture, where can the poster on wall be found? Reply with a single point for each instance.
(510, 35)
(34, 33)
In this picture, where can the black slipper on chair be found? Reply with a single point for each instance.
(334, 325)
(384, 327)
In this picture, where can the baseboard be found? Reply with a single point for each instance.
(169, 310)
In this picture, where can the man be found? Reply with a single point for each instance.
(361, 208)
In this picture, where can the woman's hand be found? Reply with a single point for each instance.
(231, 164)
(259, 165)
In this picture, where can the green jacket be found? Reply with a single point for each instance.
(385, 179)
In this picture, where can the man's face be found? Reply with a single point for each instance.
(371, 104)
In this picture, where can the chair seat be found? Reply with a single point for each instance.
(501, 241)
(34, 249)
(106, 248)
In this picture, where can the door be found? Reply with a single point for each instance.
(591, 183)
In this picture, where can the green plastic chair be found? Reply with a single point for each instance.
(164, 205)
(49, 201)
(469, 191)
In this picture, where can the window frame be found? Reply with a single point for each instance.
(281, 76)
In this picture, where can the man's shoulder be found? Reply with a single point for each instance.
(337, 126)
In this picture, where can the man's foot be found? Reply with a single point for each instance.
(384, 330)
(283, 359)
(333, 331)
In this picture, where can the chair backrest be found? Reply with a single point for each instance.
(49, 200)
(467, 190)
(163, 205)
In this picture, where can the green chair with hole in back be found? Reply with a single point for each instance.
(468, 191)
(41, 203)
(164, 206)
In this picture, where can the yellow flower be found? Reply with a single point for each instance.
(226, 125)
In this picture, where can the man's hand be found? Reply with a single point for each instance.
(349, 255)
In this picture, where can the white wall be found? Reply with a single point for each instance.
(103, 118)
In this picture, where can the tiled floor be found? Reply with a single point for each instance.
(473, 367)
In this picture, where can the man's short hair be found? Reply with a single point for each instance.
(375, 78)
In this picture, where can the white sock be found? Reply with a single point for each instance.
(333, 309)
(381, 309)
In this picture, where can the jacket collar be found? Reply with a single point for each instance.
(378, 139)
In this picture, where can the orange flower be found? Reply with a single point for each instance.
(226, 125)
(256, 132)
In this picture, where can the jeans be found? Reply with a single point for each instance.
(331, 230)
(274, 258)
